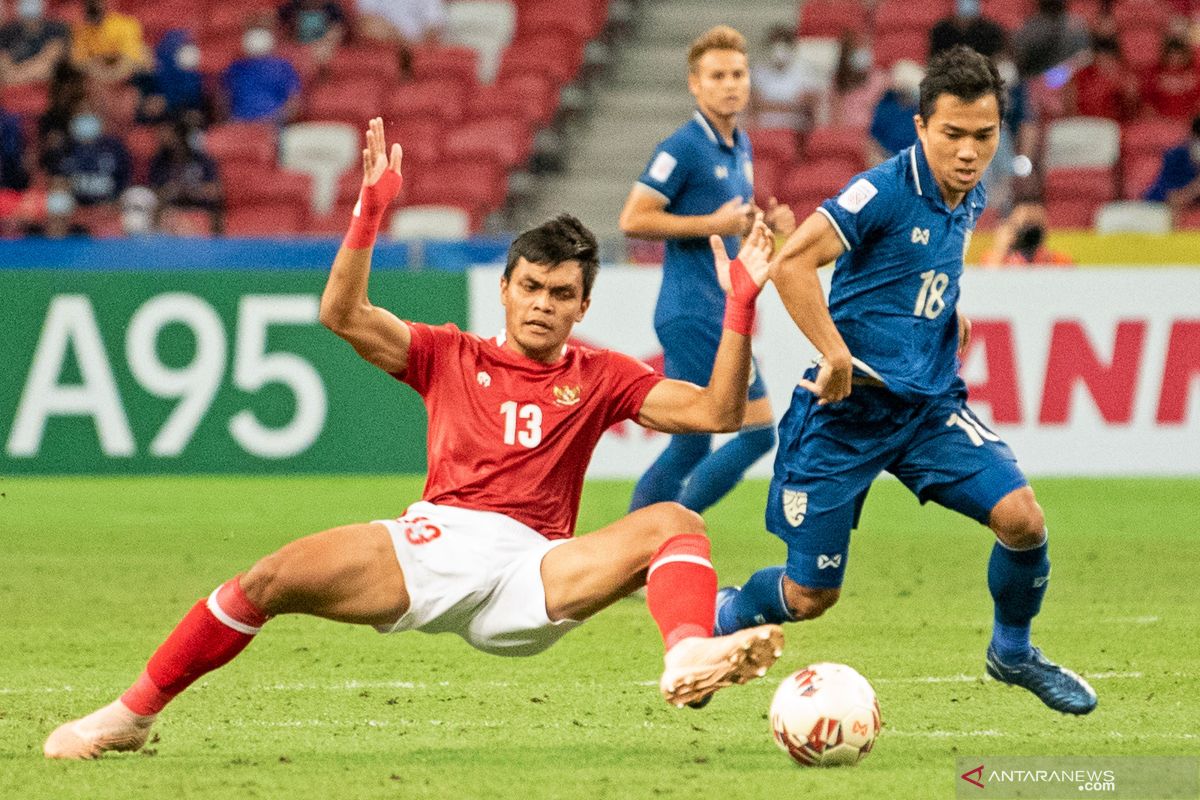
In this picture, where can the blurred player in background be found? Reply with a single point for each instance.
(488, 552)
(700, 182)
(886, 394)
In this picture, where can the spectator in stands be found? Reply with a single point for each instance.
(175, 90)
(1049, 38)
(108, 45)
(967, 26)
(1020, 241)
(1106, 87)
(68, 87)
(857, 87)
(31, 45)
(13, 173)
(319, 25)
(1178, 181)
(892, 126)
(404, 24)
(59, 222)
(97, 166)
(139, 211)
(262, 86)
(183, 175)
(784, 91)
(1173, 87)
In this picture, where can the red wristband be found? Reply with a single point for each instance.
(363, 230)
(739, 317)
(368, 212)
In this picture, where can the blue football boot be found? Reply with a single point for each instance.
(1057, 687)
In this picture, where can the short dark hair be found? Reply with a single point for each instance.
(555, 241)
(1196, 126)
(963, 73)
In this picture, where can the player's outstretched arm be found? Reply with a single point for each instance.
(794, 273)
(681, 407)
(375, 333)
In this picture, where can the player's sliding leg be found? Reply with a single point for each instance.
(1018, 576)
(348, 574)
(663, 547)
(663, 481)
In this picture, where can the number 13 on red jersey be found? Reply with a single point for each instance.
(530, 418)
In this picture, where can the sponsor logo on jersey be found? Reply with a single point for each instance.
(567, 395)
(857, 196)
(829, 562)
(795, 506)
(483, 379)
(663, 166)
(721, 171)
(920, 236)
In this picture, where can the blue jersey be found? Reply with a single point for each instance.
(895, 289)
(696, 173)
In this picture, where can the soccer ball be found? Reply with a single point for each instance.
(825, 715)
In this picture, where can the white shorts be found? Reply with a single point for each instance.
(477, 574)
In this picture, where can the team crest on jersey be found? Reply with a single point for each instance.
(721, 171)
(483, 379)
(567, 395)
(795, 506)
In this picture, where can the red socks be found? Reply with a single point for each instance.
(211, 634)
(681, 588)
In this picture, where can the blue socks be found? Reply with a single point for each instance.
(722, 469)
(1017, 580)
(708, 476)
(759, 602)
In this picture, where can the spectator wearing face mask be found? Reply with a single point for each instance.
(784, 89)
(1049, 38)
(139, 212)
(108, 45)
(1178, 181)
(96, 166)
(183, 175)
(68, 87)
(175, 91)
(967, 26)
(31, 45)
(319, 25)
(1021, 241)
(262, 86)
(857, 86)
(59, 221)
(1173, 87)
(892, 126)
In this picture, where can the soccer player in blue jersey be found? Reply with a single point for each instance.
(886, 394)
(700, 182)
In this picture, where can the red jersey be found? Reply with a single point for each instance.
(513, 435)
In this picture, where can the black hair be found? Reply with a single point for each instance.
(963, 73)
(1196, 126)
(555, 241)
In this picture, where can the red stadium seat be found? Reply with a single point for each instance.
(1072, 183)
(832, 17)
(142, 143)
(1152, 136)
(249, 184)
(897, 44)
(228, 18)
(527, 97)
(767, 175)
(456, 63)
(267, 219)
(843, 142)
(1009, 13)
(350, 100)
(1077, 213)
(27, 99)
(442, 99)
(219, 50)
(1087, 10)
(472, 185)
(253, 142)
(503, 141)
(301, 59)
(557, 58)
(1137, 173)
(777, 144)
(1146, 14)
(350, 63)
(1188, 219)
(422, 141)
(819, 178)
(1140, 47)
(571, 18)
(906, 15)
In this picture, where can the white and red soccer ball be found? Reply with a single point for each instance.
(825, 715)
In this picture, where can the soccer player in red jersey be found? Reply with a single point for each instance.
(488, 553)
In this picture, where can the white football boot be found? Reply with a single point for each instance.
(113, 727)
(698, 666)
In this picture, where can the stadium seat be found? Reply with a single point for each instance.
(485, 26)
(832, 17)
(806, 185)
(505, 141)
(442, 99)
(1009, 13)
(266, 219)
(569, 18)
(471, 185)
(453, 62)
(29, 100)
(1069, 183)
(1134, 217)
(530, 98)
(228, 18)
(820, 53)
(353, 101)
(1077, 213)
(422, 141)
(217, 51)
(1082, 142)
(1087, 10)
(557, 58)
(1137, 173)
(1188, 219)
(906, 15)
(322, 150)
(430, 222)
(894, 45)
(142, 142)
(251, 184)
(777, 144)
(252, 142)
(767, 175)
(1140, 47)
(350, 63)
(837, 142)
(1144, 14)
(1152, 136)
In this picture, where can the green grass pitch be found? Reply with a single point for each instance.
(97, 571)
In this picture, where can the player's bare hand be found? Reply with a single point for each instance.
(376, 160)
(734, 218)
(780, 218)
(755, 256)
(832, 382)
(964, 334)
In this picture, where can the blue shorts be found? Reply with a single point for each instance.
(690, 348)
(829, 455)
